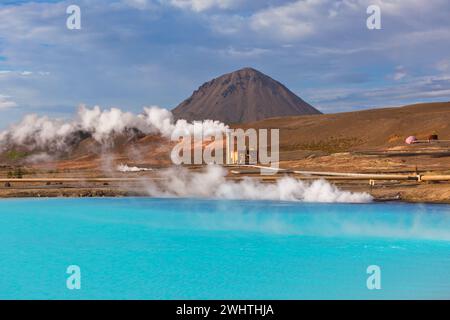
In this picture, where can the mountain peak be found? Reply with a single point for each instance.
(245, 72)
(244, 95)
(249, 70)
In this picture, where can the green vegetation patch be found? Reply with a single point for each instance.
(17, 173)
(14, 155)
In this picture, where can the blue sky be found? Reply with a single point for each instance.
(135, 53)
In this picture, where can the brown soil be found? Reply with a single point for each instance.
(360, 130)
(369, 141)
(242, 96)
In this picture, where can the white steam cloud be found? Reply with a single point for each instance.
(36, 132)
(213, 184)
(126, 168)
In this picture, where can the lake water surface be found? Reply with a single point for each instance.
(143, 248)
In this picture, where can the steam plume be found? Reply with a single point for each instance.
(36, 132)
(126, 168)
(213, 184)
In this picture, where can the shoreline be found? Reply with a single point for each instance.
(381, 196)
(131, 196)
(382, 185)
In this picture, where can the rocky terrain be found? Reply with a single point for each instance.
(242, 96)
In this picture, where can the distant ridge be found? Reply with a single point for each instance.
(242, 96)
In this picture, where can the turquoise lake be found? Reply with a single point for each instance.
(144, 248)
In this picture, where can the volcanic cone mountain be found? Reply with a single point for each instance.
(242, 96)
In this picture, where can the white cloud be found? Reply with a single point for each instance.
(6, 103)
(411, 90)
(244, 53)
(298, 41)
(25, 73)
(400, 73)
(31, 21)
(403, 7)
(329, 19)
(290, 21)
(202, 5)
(294, 20)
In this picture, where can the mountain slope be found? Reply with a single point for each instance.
(242, 96)
(365, 129)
